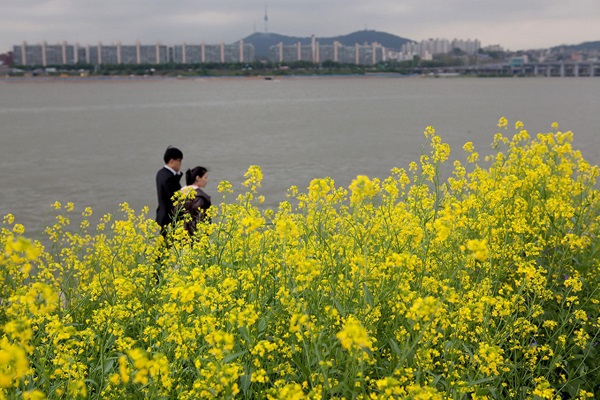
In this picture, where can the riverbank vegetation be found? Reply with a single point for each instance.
(257, 68)
(481, 285)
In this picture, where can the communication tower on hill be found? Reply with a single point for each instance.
(266, 19)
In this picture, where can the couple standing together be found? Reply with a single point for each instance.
(167, 184)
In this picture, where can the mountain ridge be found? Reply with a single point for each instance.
(581, 46)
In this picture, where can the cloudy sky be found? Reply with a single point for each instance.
(513, 24)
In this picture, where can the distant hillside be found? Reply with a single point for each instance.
(262, 41)
(385, 39)
(582, 46)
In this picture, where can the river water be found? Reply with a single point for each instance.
(98, 143)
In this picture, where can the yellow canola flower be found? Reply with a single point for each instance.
(489, 358)
(253, 177)
(123, 369)
(429, 131)
(145, 367)
(362, 189)
(441, 151)
(424, 309)
(34, 395)
(18, 229)
(574, 283)
(298, 322)
(263, 347)
(13, 364)
(9, 219)
(442, 230)
(478, 248)
(543, 389)
(291, 391)
(583, 394)
(225, 187)
(221, 342)
(354, 336)
(40, 299)
(321, 190)
(22, 245)
(252, 222)
(286, 227)
(423, 393)
(77, 389)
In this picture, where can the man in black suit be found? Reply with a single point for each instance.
(167, 183)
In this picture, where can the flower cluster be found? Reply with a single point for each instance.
(480, 285)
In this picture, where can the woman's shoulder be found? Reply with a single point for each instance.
(202, 193)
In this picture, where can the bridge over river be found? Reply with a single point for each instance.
(549, 69)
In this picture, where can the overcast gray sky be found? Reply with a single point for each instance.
(513, 24)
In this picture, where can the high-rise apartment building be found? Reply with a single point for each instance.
(128, 54)
(44, 54)
(107, 54)
(124, 54)
(315, 52)
(81, 53)
(213, 53)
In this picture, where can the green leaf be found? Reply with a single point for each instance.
(108, 365)
(368, 295)
(245, 382)
(232, 357)
(262, 324)
(395, 347)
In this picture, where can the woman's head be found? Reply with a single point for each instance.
(196, 176)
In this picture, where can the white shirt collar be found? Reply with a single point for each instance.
(171, 169)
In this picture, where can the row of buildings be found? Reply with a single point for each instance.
(365, 54)
(426, 49)
(45, 54)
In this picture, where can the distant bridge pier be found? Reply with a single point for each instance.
(550, 69)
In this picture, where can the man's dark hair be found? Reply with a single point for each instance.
(172, 153)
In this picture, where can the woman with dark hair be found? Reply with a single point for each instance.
(196, 207)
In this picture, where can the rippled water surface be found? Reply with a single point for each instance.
(99, 143)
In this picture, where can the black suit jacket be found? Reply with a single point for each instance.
(166, 186)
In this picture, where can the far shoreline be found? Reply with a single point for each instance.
(267, 78)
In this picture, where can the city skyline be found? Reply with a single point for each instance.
(509, 23)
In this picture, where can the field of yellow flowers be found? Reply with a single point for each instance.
(484, 285)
